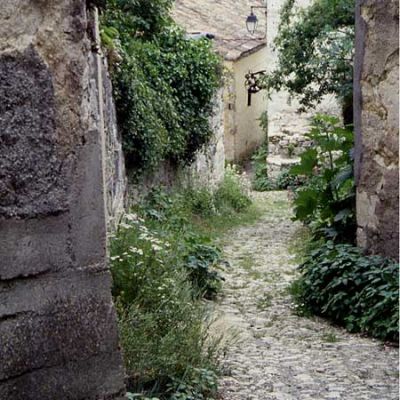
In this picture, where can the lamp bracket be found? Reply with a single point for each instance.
(253, 84)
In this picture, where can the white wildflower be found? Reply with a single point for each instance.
(131, 217)
(156, 247)
(135, 250)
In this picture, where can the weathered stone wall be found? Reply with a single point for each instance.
(58, 333)
(286, 127)
(115, 174)
(208, 167)
(376, 123)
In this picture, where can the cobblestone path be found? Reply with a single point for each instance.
(278, 355)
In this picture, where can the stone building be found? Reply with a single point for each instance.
(377, 125)
(242, 53)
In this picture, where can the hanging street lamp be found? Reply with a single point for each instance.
(252, 20)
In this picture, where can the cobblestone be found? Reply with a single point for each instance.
(278, 355)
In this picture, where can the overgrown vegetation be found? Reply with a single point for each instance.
(164, 264)
(359, 292)
(326, 200)
(337, 281)
(316, 47)
(163, 83)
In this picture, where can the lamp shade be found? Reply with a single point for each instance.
(251, 23)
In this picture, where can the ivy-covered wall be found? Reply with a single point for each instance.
(164, 84)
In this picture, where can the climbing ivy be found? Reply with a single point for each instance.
(163, 82)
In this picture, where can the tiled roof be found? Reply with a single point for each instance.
(226, 19)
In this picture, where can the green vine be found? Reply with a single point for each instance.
(164, 83)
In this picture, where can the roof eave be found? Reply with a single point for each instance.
(246, 53)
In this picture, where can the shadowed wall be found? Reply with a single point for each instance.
(58, 332)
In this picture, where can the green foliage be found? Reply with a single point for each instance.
(192, 250)
(163, 327)
(262, 182)
(163, 264)
(326, 201)
(360, 292)
(230, 197)
(203, 386)
(315, 48)
(163, 83)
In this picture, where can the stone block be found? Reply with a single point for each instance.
(63, 320)
(34, 246)
(81, 379)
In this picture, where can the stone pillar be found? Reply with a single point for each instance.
(58, 332)
(376, 104)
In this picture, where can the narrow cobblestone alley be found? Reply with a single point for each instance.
(278, 355)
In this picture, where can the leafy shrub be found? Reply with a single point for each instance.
(203, 386)
(262, 182)
(231, 194)
(327, 199)
(200, 201)
(286, 180)
(154, 57)
(168, 221)
(360, 292)
(163, 327)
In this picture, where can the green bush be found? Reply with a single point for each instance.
(360, 292)
(163, 83)
(326, 201)
(231, 194)
(261, 181)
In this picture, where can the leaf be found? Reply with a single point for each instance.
(309, 159)
(306, 203)
(343, 215)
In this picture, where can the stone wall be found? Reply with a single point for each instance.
(208, 167)
(57, 321)
(115, 174)
(243, 133)
(376, 122)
